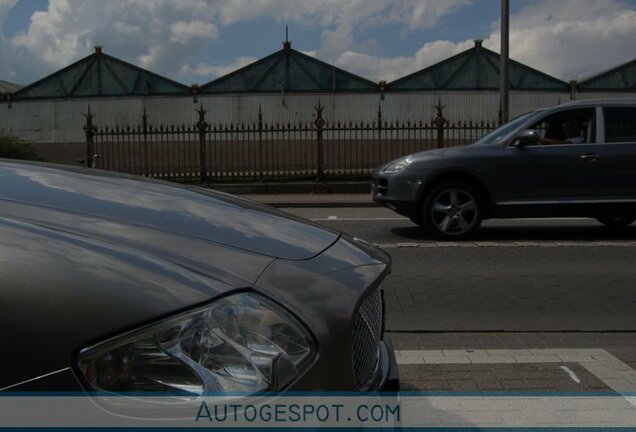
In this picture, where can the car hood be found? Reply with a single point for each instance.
(436, 153)
(187, 212)
(86, 255)
(426, 156)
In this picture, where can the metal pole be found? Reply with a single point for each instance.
(202, 127)
(504, 69)
(90, 131)
(320, 124)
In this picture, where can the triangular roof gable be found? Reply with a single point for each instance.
(622, 77)
(288, 70)
(476, 69)
(6, 86)
(100, 75)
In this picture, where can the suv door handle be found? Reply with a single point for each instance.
(591, 157)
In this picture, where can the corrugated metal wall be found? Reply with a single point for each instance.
(582, 95)
(62, 120)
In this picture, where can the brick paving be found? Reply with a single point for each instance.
(525, 377)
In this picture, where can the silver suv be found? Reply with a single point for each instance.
(574, 160)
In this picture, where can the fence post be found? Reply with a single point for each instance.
(144, 125)
(260, 142)
(90, 130)
(320, 124)
(380, 145)
(573, 84)
(202, 127)
(440, 122)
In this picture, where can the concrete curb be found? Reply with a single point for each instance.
(322, 204)
(317, 188)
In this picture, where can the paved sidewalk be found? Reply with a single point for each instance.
(534, 362)
(313, 200)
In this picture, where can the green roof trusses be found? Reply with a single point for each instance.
(100, 75)
(622, 77)
(288, 70)
(9, 87)
(476, 69)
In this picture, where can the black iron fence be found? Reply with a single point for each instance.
(264, 151)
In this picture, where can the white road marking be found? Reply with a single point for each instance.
(332, 218)
(487, 222)
(571, 374)
(508, 243)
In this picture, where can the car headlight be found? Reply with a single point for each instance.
(398, 165)
(240, 343)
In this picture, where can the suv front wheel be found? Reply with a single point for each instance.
(452, 211)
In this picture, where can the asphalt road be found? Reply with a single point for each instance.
(521, 287)
(517, 275)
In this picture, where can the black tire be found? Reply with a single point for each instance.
(452, 211)
(416, 221)
(617, 222)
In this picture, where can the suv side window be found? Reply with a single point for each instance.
(568, 127)
(620, 124)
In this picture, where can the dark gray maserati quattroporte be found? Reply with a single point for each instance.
(112, 283)
(576, 159)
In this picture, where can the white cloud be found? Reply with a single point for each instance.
(5, 7)
(391, 68)
(5, 52)
(340, 18)
(573, 38)
(149, 33)
(184, 32)
(567, 39)
(162, 35)
(210, 71)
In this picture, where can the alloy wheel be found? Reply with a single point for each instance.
(454, 212)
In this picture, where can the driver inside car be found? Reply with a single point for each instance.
(573, 134)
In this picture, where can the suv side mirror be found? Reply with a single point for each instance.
(526, 138)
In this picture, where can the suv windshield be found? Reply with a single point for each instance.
(500, 133)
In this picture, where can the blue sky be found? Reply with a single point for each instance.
(195, 41)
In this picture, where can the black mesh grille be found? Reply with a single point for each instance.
(367, 334)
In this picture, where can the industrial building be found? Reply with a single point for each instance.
(284, 87)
